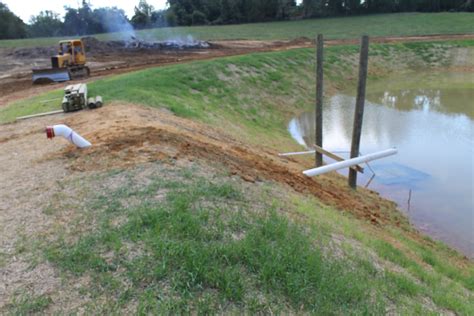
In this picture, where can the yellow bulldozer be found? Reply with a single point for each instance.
(68, 64)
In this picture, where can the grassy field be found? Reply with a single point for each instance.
(400, 24)
(185, 239)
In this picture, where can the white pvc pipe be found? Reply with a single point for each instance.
(298, 153)
(350, 162)
(68, 133)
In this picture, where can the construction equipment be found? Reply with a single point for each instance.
(70, 63)
(75, 98)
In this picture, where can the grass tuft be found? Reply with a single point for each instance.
(28, 304)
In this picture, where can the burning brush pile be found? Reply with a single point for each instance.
(94, 45)
(188, 43)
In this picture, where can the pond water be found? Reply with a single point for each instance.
(430, 119)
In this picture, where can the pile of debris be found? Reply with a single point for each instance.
(134, 44)
(32, 52)
(188, 43)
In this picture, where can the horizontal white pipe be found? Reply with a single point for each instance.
(68, 133)
(298, 153)
(39, 115)
(309, 152)
(350, 162)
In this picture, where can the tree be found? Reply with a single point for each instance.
(313, 8)
(467, 6)
(160, 18)
(143, 15)
(80, 21)
(72, 22)
(183, 10)
(11, 26)
(110, 20)
(46, 23)
(199, 18)
(171, 18)
(285, 9)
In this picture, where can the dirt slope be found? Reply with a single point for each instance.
(124, 135)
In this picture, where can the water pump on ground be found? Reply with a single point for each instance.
(75, 98)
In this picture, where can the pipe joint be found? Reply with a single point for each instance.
(67, 132)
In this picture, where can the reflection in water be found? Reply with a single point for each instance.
(433, 172)
(379, 126)
(450, 93)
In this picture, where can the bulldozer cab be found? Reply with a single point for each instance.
(73, 51)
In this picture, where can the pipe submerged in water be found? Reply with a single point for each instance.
(68, 133)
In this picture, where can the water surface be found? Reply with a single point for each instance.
(430, 119)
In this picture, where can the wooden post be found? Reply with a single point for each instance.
(359, 110)
(319, 98)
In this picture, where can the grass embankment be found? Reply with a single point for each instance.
(399, 24)
(191, 238)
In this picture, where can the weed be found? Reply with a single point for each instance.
(390, 253)
(400, 283)
(27, 304)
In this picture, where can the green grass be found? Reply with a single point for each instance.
(204, 246)
(27, 304)
(334, 28)
(169, 239)
(411, 279)
(402, 284)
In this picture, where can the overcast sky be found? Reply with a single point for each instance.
(25, 9)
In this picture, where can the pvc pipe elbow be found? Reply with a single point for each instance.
(67, 132)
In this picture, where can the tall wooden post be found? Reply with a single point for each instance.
(359, 110)
(319, 98)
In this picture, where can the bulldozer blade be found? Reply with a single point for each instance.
(50, 75)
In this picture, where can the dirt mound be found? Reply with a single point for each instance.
(124, 135)
(33, 52)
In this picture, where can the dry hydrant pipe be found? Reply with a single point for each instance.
(350, 162)
(298, 153)
(67, 132)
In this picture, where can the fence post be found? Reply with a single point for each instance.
(359, 109)
(319, 98)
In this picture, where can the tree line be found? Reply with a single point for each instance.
(85, 20)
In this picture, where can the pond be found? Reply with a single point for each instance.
(430, 119)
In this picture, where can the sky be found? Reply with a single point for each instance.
(26, 8)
